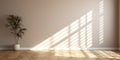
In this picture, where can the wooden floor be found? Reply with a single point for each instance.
(60, 55)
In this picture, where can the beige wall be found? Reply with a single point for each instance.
(119, 24)
(62, 24)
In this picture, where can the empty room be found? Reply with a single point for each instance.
(59, 30)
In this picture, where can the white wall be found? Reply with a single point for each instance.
(84, 23)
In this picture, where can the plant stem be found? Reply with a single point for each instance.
(16, 39)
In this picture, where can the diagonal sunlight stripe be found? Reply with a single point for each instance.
(74, 36)
(101, 21)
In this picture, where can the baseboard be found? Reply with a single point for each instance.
(24, 48)
(12, 48)
(5, 48)
(65, 49)
(103, 49)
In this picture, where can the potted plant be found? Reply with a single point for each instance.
(14, 23)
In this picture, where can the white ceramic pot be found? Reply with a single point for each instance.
(17, 47)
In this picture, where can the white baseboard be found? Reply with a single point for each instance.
(103, 49)
(24, 48)
(65, 49)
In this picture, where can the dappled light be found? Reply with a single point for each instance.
(101, 21)
(89, 54)
(78, 35)
(94, 54)
(63, 30)
(102, 54)
(113, 54)
(61, 55)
